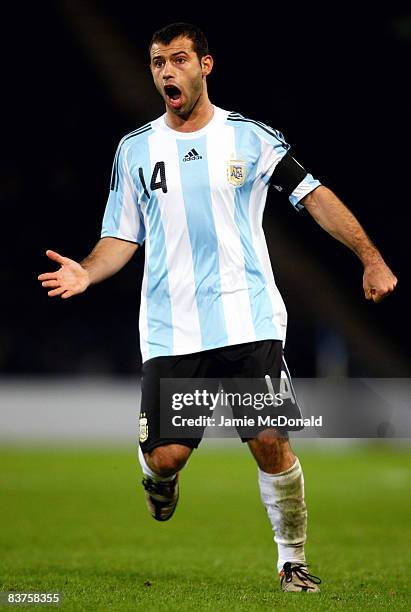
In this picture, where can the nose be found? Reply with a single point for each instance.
(168, 70)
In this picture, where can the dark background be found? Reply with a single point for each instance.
(334, 82)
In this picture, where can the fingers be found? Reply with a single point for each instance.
(51, 283)
(56, 257)
(64, 293)
(57, 291)
(379, 290)
(378, 295)
(378, 282)
(374, 295)
(383, 294)
(52, 275)
(47, 276)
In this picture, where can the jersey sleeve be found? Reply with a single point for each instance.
(122, 217)
(281, 171)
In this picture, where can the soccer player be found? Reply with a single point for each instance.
(192, 184)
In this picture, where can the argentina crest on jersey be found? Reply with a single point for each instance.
(236, 172)
(143, 427)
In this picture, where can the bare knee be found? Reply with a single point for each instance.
(272, 453)
(168, 459)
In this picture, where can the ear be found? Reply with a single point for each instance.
(207, 63)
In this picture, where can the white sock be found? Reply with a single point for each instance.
(147, 471)
(283, 497)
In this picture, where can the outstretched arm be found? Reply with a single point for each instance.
(333, 216)
(108, 257)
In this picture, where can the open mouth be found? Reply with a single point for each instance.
(174, 95)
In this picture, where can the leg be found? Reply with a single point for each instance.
(272, 453)
(279, 472)
(165, 461)
(281, 484)
(161, 458)
(160, 467)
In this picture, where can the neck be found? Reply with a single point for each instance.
(201, 114)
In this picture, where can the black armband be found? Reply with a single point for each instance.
(287, 175)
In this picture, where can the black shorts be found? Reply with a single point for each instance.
(251, 360)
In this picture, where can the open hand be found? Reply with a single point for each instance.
(70, 279)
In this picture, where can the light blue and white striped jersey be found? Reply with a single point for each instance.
(197, 199)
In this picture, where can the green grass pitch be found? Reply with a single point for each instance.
(74, 521)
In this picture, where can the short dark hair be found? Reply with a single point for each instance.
(173, 30)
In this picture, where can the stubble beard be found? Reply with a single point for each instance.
(184, 112)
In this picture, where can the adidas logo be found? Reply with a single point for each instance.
(191, 156)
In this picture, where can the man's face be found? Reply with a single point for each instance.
(178, 73)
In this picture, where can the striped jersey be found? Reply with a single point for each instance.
(197, 200)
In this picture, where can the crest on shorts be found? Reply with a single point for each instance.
(143, 428)
(236, 172)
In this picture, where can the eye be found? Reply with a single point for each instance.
(158, 63)
(180, 60)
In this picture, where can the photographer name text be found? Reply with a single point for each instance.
(260, 420)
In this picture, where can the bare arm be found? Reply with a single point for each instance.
(335, 218)
(108, 257)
